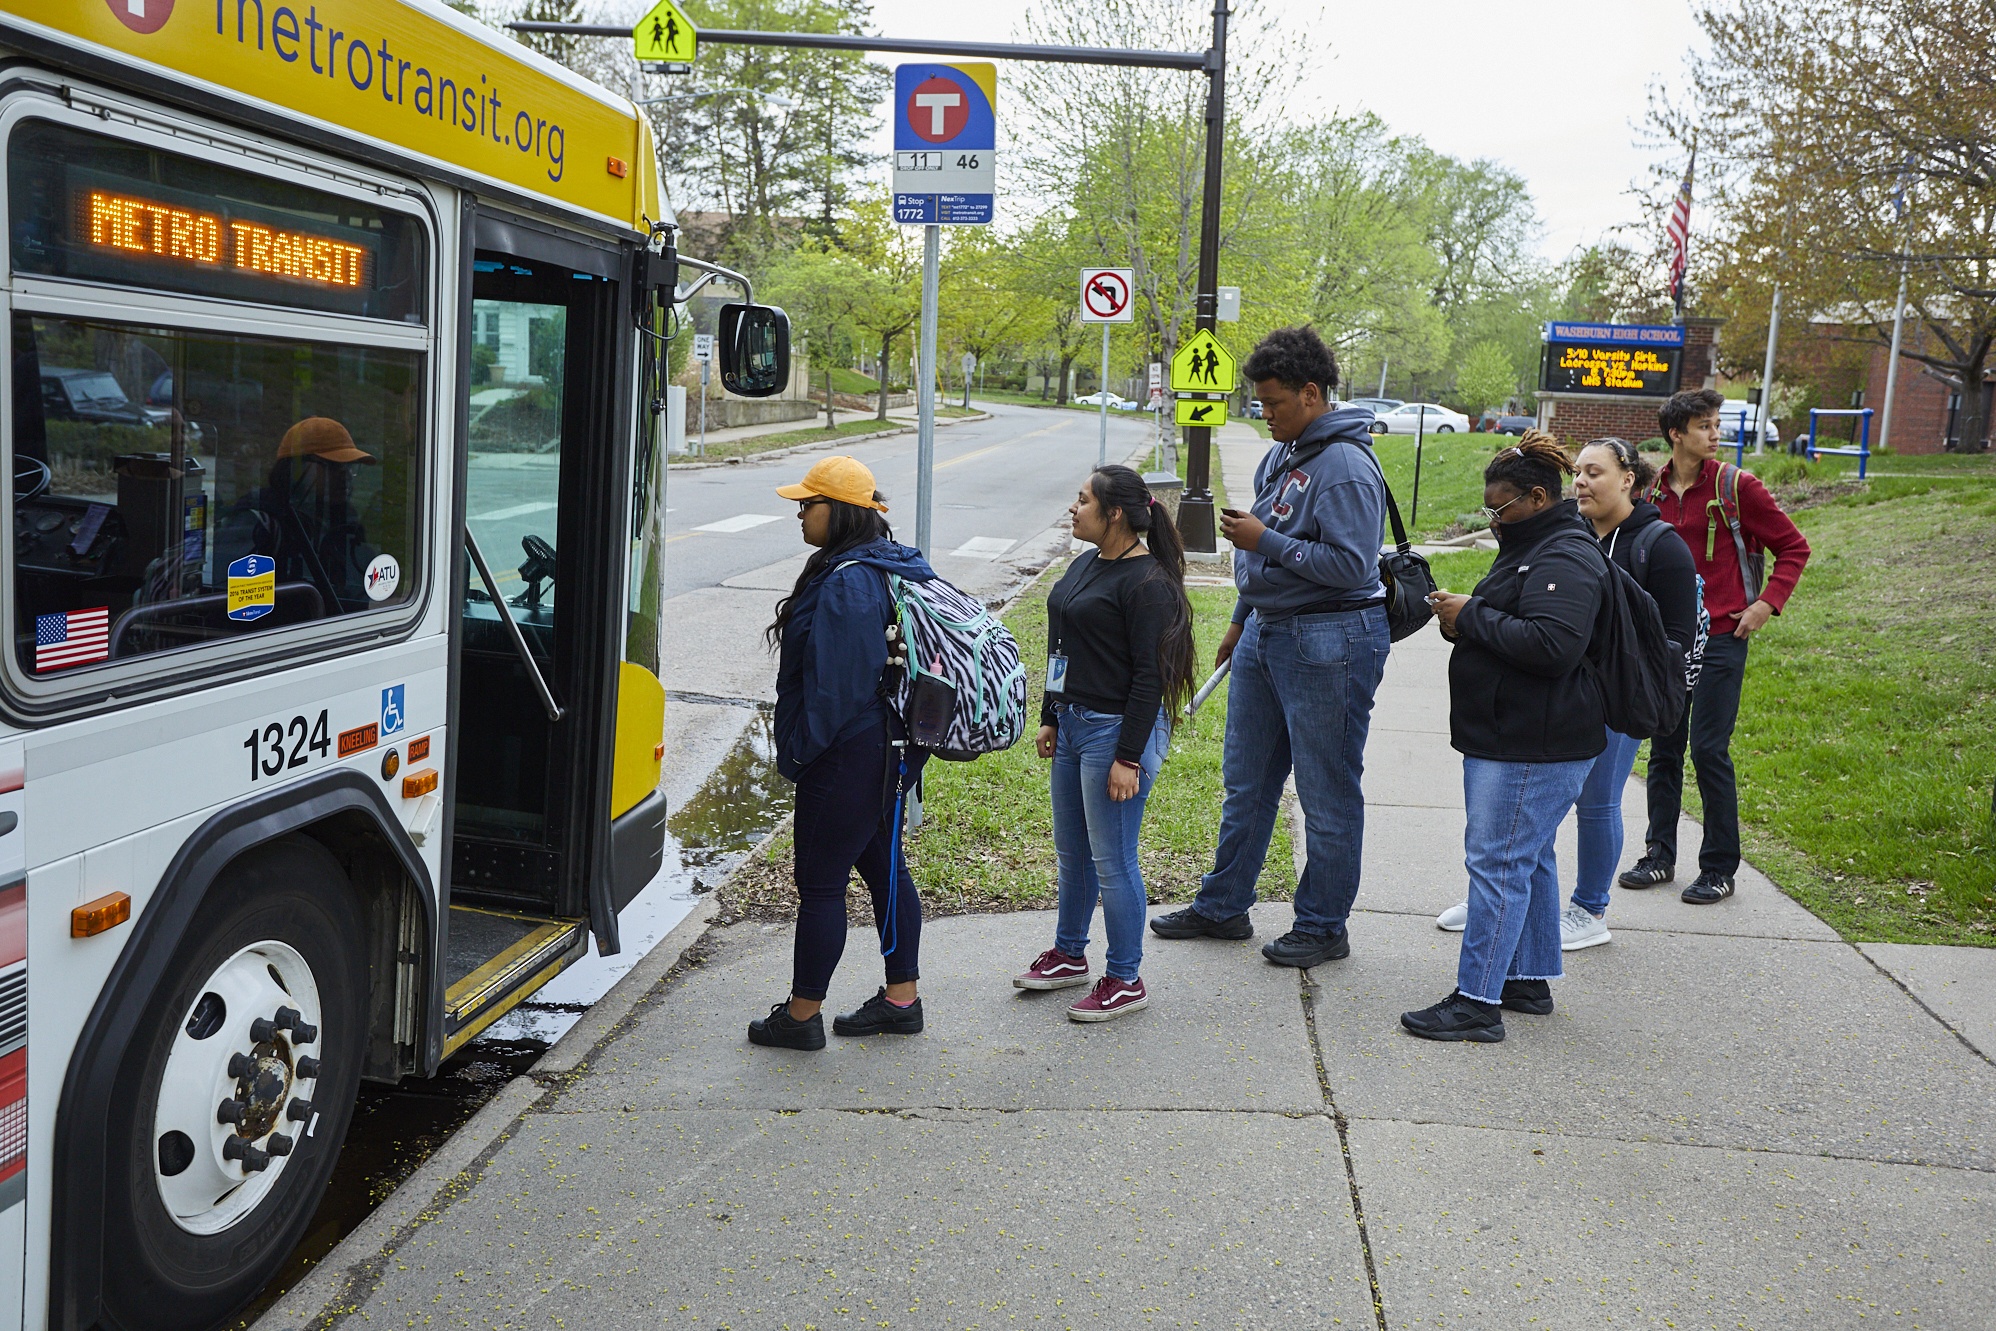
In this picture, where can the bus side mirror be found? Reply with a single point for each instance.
(755, 350)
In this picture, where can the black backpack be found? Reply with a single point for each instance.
(1639, 669)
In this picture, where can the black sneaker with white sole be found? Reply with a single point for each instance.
(1648, 871)
(1189, 923)
(1707, 889)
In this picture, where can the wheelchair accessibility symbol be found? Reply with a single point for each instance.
(392, 718)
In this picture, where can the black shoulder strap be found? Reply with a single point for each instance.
(1400, 541)
(1646, 540)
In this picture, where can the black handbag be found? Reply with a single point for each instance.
(1407, 576)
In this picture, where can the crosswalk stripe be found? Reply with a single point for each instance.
(739, 522)
(984, 547)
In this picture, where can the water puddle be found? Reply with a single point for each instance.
(395, 1128)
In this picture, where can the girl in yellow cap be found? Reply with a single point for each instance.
(835, 738)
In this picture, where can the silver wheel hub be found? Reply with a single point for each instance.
(235, 1101)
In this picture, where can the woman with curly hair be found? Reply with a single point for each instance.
(1526, 714)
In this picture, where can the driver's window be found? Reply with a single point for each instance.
(513, 467)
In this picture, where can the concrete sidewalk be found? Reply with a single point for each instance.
(1733, 1119)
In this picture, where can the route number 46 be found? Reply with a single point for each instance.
(278, 747)
(966, 162)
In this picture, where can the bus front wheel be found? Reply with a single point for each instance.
(226, 1130)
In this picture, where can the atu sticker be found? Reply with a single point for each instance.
(384, 575)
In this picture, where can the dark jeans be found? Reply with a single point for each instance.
(845, 812)
(1708, 728)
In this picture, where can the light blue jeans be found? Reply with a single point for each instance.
(1301, 696)
(1515, 810)
(1599, 813)
(1095, 838)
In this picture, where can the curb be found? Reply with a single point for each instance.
(328, 1292)
(698, 464)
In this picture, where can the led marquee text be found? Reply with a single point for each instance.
(1629, 368)
(142, 226)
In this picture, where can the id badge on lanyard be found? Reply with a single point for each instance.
(1056, 672)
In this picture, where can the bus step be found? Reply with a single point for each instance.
(496, 960)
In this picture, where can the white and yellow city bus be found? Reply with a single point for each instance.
(331, 726)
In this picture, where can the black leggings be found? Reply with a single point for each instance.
(845, 809)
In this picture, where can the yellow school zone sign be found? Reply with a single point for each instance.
(1202, 365)
(410, 75)
(666, 34)
(1200, 411)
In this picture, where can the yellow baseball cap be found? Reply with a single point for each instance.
(842, 478)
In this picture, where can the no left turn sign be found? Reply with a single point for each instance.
(1105, 295)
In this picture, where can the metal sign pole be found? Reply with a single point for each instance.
(1767, 366)
(1195, 508)
(705, 369)
(1102, 392)
(1891, 366)
(1420, 437)
(925, 393)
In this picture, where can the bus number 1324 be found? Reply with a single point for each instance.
(278, 746)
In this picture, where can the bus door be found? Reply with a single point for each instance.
(545, 459)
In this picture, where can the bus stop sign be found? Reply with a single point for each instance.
(945, 144)
(666, 34)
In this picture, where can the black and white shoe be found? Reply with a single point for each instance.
(1189, 923)
(1457, 1017)
(1648, 871)
(1707, 889)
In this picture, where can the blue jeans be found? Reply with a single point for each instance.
(1515, 810)
(1301, 695)
(1095, 838)
(1599, 812)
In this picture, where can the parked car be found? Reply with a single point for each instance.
(1098, 398)
(1410, 417)
(1254, 409)
(94, 395)
(1735, 416)
(1376, 405)
(1515, 425)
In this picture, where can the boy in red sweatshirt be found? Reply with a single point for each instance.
(1703, 499)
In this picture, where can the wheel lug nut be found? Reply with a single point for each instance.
(287, 1017)
(308, 1068)
(229, 1111)
(253, 1160)
(241, 1066)
(279, 1144)
(262, 1031)
(303, 1032)
(300, 1110)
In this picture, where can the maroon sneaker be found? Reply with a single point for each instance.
(1110, 998)
(1053, 969)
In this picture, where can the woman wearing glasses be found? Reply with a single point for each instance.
(1526, 715)
(1609, 477)
(836, 739)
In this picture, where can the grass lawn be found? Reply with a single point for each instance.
(1451, 478)
(986, 842)
(1866, 745)
(818, 434)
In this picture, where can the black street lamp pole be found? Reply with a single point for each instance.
(1195, 510)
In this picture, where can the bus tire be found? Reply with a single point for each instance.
(214, 1176)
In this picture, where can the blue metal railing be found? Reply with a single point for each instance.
(1860, 449)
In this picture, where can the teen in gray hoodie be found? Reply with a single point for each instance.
(1308, 645)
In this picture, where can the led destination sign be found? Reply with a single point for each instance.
(147, 227)
(1618, 360)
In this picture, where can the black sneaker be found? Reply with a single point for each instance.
(1529, 996)
(1302, 950)
(780, 1030)
(1707, 889)
(877, 1016)
(1457, 1017)
(1189, 923)
(1650, 870)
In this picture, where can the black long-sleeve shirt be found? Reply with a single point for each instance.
(1107, 616)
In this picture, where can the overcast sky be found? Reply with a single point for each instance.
(1549, 88)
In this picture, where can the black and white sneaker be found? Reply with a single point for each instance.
(1649, 871)
(1707, 889)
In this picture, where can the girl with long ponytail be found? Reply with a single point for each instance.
(1119, 668)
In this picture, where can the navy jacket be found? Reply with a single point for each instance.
(834, 648)
(1323, 519)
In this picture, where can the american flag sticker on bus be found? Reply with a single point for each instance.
(72, 638)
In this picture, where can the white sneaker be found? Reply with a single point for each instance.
(1580, 927)
(1455, 919)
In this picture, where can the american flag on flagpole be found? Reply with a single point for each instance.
(1678, 233)
(72, 638)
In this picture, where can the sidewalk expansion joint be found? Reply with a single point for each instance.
(1905, 989)
(1308, 992)
(1576, 1134)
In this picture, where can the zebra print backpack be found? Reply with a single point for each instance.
(959, 685)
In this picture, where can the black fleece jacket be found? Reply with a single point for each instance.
(1519, 687)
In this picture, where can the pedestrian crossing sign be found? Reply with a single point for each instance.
(666, 34)
(1202, 365)
(1200, 411)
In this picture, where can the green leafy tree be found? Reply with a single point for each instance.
(1486, 378)
(892, 254)
(822, 289)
